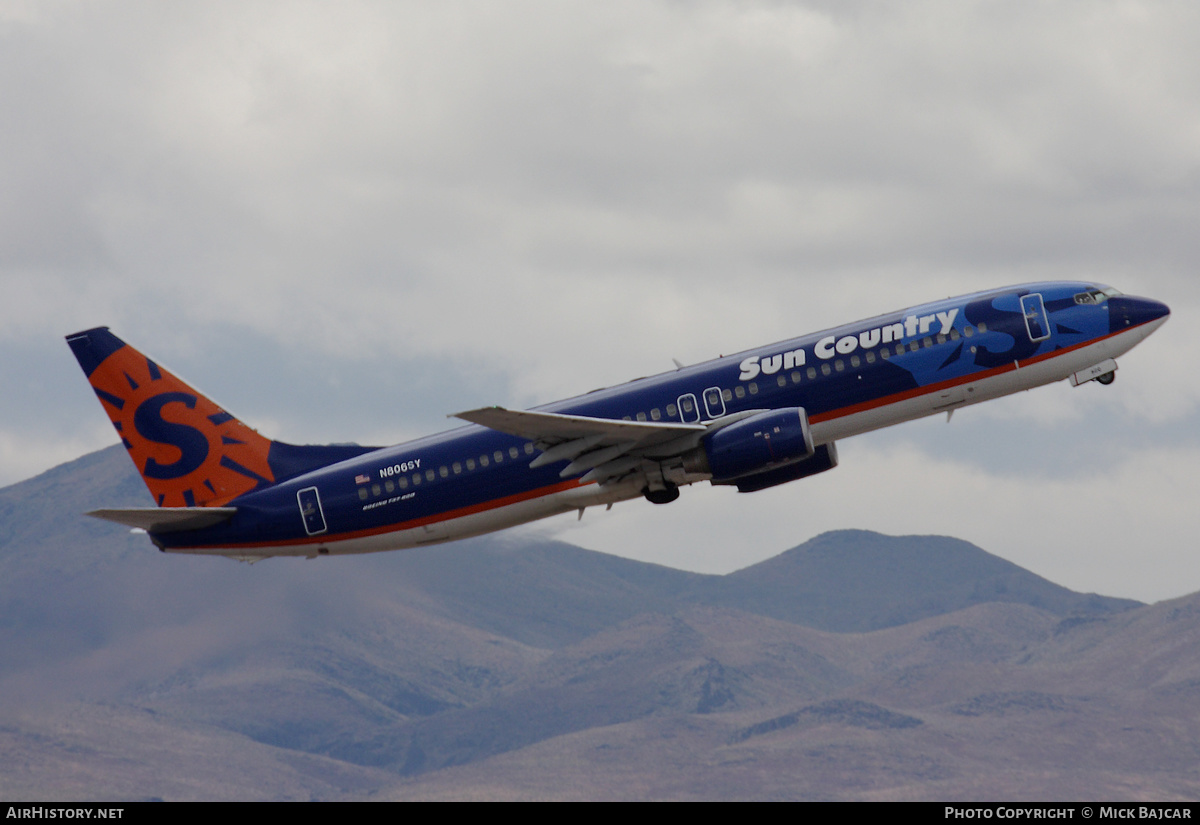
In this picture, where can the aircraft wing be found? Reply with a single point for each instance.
(557, 428)
(166, 519)
(601, 448)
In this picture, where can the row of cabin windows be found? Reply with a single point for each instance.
(740, 391)
(886, 352)
(403, 482)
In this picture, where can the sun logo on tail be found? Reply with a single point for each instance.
(190, 452)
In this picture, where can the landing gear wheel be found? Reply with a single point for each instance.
(1107, 378)
(663, 496)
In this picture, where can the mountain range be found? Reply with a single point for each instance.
(853, 666)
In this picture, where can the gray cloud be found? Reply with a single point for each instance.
(402, 209)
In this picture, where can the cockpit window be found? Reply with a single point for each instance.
(1096, 295)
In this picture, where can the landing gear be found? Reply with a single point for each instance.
(1107, 378)
(664, 496)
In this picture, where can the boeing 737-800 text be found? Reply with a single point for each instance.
(751, 420)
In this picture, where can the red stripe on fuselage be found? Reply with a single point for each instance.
(447, 515)
(930, 389)
(561, 486)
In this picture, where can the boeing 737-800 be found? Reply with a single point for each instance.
(752, 420)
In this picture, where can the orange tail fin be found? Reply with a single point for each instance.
(190, 452)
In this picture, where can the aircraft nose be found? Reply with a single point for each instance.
(1126, 311)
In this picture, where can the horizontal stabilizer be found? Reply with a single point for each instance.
(167, 519)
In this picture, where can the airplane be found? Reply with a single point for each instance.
(752, 420)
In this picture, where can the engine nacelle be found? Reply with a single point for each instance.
(823, 458)
(753, 446)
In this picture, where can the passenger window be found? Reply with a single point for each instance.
(727, 395)
(389, 486)
(982, 326)
(430, 475)
(444, 471)
(781, 380)
(656, 414)
(854, 361)
(483, 461)
(739, 391)
(470, 464)
(795, 378)
(870, 356)
(403, 482)
(528, 448)
(753, 388)
(812, 373)
(839, 365)
(826, 369)
(416, 479)
(362, 493)
(513, 452)
(457, 467)
(714, 402)
(375, 491)
(499, 456)
(641, 416)
(885, 353)
(689, 409)
(671, 410)
(953, 334)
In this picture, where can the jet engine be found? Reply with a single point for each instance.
(754, 446)
(823, 458)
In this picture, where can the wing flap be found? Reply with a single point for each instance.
(166, 519)
(601, 448)
(556, 428)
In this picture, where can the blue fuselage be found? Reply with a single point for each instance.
(848, 380)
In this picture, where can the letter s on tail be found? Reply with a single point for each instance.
(190, 452)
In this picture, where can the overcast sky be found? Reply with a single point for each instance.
(344, 221)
